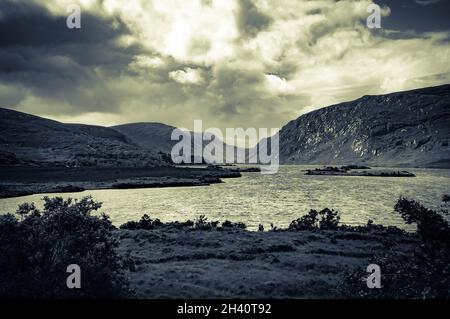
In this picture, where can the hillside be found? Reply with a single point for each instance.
(400, 129)
(31, 140)
(153, 136)
(157, 137)
(409, 128)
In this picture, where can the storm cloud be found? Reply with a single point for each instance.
(237, 63)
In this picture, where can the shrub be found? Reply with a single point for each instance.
(307, 222)
(329, 219)
(179, 225)
(145, 223)
(228, 224)
(414, 274)
(446, 198)
(326, 219)
(36, 251)
(131, 225)
(202, 223)
(421, 273)
(432, 228)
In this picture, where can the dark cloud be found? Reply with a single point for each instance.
(250, 21)
(237, 63)
(237, 87)
(28, 24)
(39, 52)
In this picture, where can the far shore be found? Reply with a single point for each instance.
(17, 181)
(355, 170)
(23, 181)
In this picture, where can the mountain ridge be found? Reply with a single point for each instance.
(409, 128)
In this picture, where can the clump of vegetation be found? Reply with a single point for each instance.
(421, 273)
(353, 166)
(326, 219)
(432, 228)
(446, 198)
(228, 224)
(371, 227)
(145, 223)
(36, 249)
(179, 225)
(202, 223)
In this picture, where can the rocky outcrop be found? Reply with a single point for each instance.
(409, 128)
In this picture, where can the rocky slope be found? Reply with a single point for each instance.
(409, 128)
(31, 140)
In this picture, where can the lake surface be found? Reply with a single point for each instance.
(263, 199)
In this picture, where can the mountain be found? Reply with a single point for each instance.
(32, 140)
(152, 136)
(157, 137)
(408, 128)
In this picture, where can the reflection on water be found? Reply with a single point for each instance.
(265, 199)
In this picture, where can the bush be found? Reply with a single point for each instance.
(179, 225)
(329, 219)
(228, 224)
(145, 223)
(432, 228)
(446, 198)
(307, 222)
(202, 223)
(36, 251)
(412, 276)
(326, 219)
(422, 273)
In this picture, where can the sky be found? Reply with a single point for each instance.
(229, 63)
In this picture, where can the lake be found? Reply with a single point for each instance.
(263, 199)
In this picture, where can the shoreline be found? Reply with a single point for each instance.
(20, 181)
(24, 181)
(315, 257)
